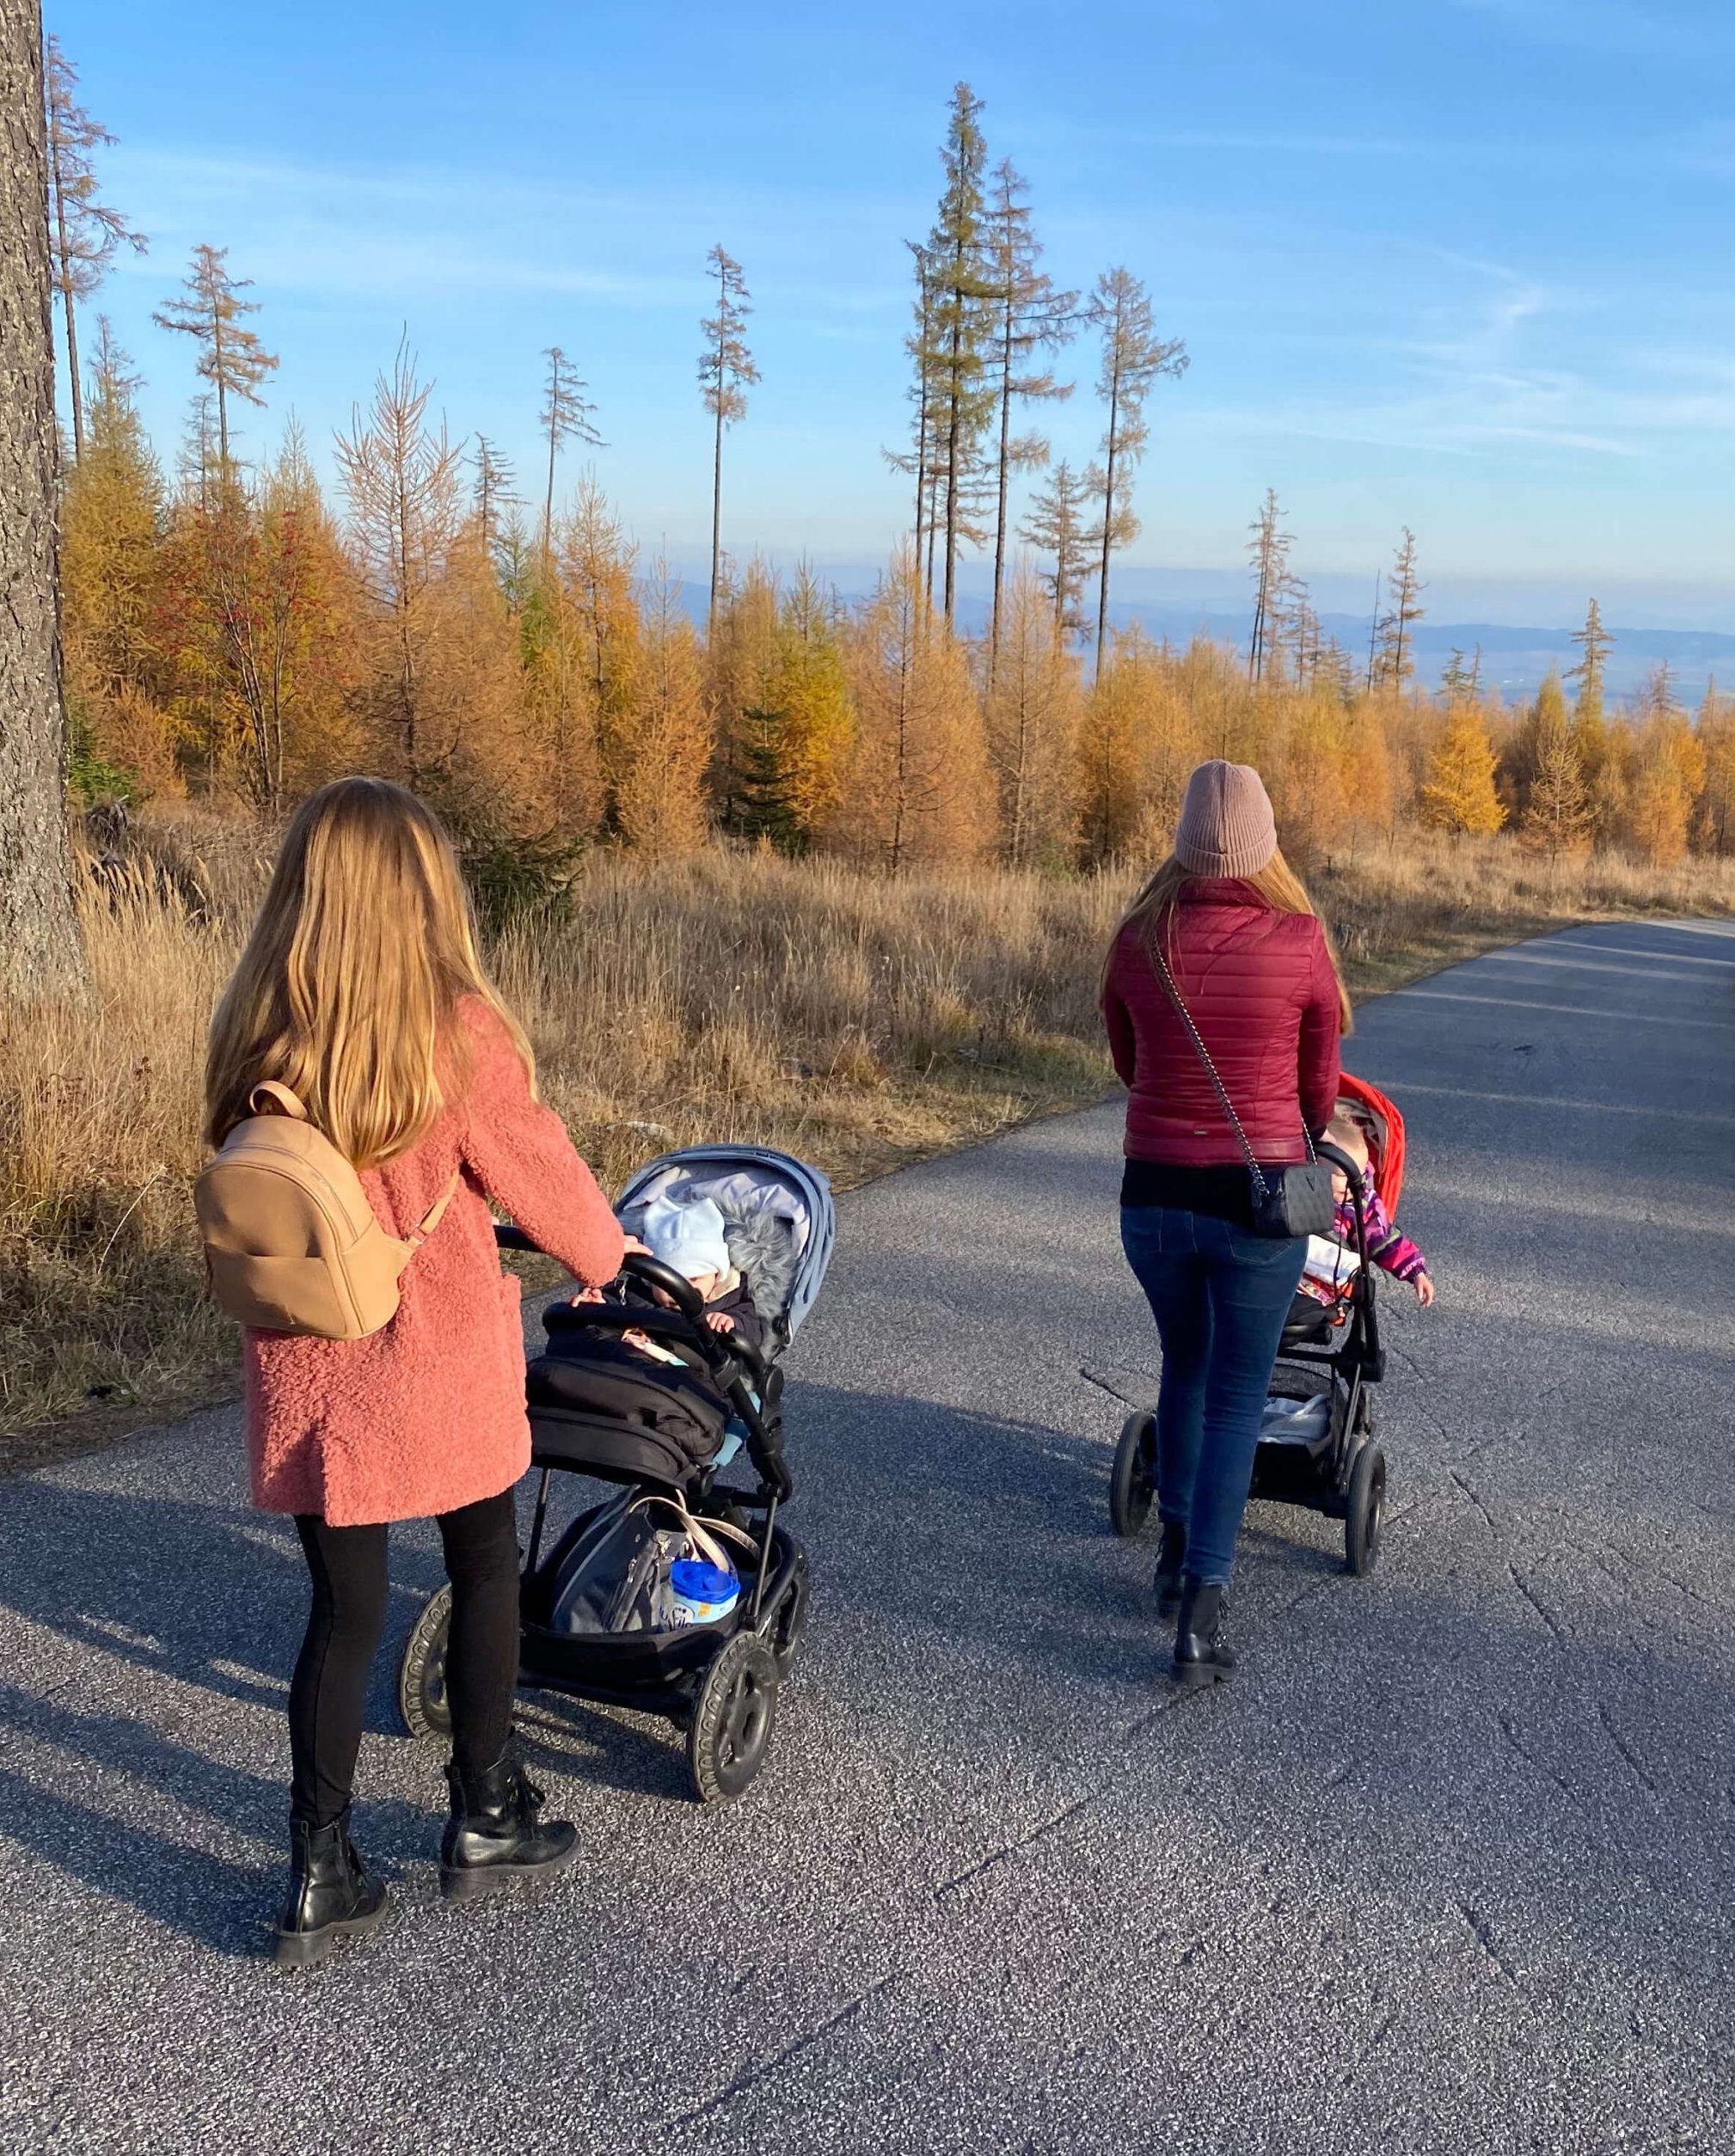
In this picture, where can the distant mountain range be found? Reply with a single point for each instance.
(1516, 661)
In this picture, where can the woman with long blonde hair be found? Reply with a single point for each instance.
(361, 991)
(1222, 940)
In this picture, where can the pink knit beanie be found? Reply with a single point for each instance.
(1226, 826)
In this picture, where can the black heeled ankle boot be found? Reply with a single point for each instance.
(331, 1892)
(1200, 1657)
(494, 1833)
(1169, 1559)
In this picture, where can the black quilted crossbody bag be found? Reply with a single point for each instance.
(1290, 1201)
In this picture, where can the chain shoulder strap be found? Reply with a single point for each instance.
(1259, 1182)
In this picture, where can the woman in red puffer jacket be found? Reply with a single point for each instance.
(1256, 969)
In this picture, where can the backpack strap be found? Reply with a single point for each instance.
(431, 1219)
(286, 1102)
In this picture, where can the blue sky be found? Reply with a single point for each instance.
(1461, 264)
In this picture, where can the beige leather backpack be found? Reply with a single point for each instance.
(292, 1244)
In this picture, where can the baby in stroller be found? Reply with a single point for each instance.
(690, 1236)
(1330, 1262)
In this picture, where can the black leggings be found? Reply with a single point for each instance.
(327, 1694)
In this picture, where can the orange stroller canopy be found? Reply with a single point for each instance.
(1385, 1130)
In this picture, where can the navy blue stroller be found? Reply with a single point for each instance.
(598, 1619)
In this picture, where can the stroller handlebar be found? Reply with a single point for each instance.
(1363, 1292)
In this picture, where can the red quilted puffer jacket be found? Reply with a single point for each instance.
(1261, 990)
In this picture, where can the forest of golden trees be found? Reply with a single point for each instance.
(234, 632)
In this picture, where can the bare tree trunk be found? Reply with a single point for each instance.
(72, 381)
(1000, 506)
(716, 514)
(1108, 519)
(39, 950)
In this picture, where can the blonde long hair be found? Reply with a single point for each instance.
(363, 948)
(1152, 914)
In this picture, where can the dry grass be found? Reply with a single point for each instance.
(859, 1021)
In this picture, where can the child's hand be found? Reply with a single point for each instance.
(1424, 1289)
(719, 1322)
(588, 1295)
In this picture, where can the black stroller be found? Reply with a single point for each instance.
(1316, 1442)
(597, 1619)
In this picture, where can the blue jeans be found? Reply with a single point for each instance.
(1220, 1294)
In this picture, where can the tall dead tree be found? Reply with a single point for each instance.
(726, 372)
(40, 951)
(208, 308)
(82, 231)
(569, 416)
(1134, 359)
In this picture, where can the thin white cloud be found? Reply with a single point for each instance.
(403, 233)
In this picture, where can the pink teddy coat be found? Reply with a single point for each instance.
(428, 1414)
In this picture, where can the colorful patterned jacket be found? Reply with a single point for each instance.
(1394, 1253)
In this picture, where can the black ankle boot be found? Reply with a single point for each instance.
(1169, 1559)
(494, 1834)
(331, 1892)
(1200, 1657)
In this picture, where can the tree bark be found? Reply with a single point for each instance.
(39, 950)
(716, 501)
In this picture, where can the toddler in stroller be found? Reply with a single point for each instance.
(1331, 1262)
(1317, 1446)
(605, 1613)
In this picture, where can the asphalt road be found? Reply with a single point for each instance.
(1448, 1868)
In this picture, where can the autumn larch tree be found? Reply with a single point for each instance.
(401, 478)
(1269, 550)
(660, 782)
(917, 785)
(230, 356)
(1595, 644)
(1457, 794)
(84, 232)
(1059, 524)
(112, 563)
(726, 372)
(1032, 710)
(740, 660)
(569, 417)
(597, 570)
(39, 950)
(1134, 359)
(1716, 730)
(1463, 679)
(1030, 317)
(1556, 820)
(1394, 663)
(493, 489)
(955, 358)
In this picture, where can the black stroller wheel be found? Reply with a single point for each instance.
(421, 1676)
(732, 1718)
(1132, 1485)
(1366, 1510)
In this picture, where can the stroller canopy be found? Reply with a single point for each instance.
(778, 1215)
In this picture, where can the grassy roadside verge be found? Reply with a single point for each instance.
(861, 1022)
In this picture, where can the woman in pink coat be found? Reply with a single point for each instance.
(361, 991)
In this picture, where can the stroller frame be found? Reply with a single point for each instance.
(1343, 1474)
(720, 1679)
